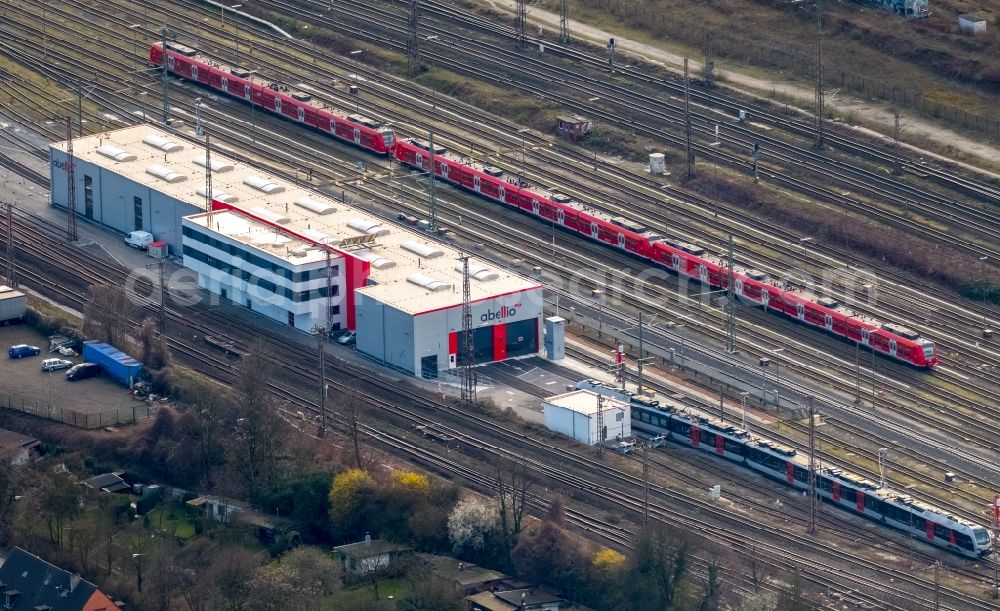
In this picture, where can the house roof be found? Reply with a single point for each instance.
(528, 597)
(468, 575)
(112, 482)
(42, 584)
(376, 547)
(9, 440)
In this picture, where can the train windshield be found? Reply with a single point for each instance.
(928, 350)
(982, 537)
(387, 137)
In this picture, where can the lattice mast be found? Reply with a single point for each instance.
(164, 82)
(432, 183)
(520, 22)
(11, 271)
(468, 378)
(70, 183)
(812, 467)
(563, 22)
(600, 424)
(687, 121)
(208, 173)
(413, 42)
(820, 94)
(730, 301)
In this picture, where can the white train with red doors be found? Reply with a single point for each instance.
(753, 286)
(838, 487)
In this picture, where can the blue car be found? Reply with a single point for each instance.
(22, 350)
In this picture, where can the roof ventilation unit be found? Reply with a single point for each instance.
(428, 283)
(314, 206)
(422, 249)
(483, 274)
(369, 227)
(113, 152)
(263, 184)
(161, 143)
(376, 261)
(165, 173)
(301, 251)
(269, 215)
(218, 165)
(318, 236)
(218, 195)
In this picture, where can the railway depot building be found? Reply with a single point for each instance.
(265, 244)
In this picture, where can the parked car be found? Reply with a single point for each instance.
(139, 239)
(348, 338)
(56, 364)
(22, 350)
(406, 218)
(83, 371)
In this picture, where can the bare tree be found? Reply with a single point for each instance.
(258, 427)
(107, 313)
(513, 484)
(351, 407)
(155, 353)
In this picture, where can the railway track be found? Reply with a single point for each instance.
(781, 547)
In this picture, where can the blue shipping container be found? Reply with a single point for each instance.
(114, 362)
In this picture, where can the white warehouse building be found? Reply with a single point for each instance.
(574, 414)
(263, 244)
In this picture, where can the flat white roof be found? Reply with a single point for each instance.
(305, 213)
(584, 402)
(260, 236)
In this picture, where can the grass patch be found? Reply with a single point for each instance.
(172, 520)
(50, 319)
(358, 594)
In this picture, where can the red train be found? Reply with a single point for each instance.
(753, 286)
(294, 105)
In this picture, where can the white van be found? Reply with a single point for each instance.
(139, 239)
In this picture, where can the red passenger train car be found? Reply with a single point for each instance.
(753, 286)
(296, 106)
(750, 285)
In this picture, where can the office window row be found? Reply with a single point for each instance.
(250, 278)
(236, 251)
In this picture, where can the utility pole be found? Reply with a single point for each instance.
(71, 234)
(413, 44)
(937, 585)
(755, 152)
(468, 379)
(79, 110)
(820, 102)
(611, 55)
(563, 22)
(995, 514)
(198, 129)
(321, 341)
(165, 85)
(898, 169)
(857, 371)
(645, 483)
(208, 173)
(730, 301)
(883, 467)
(638, 364)
(709, 76)
(432, 184)
(687, 121)
(812, 467)
(163, 299)
(11, 271)
(520, 19)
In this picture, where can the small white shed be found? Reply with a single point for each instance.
(972, 23)
(574, 414)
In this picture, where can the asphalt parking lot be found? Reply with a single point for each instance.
(24, 385)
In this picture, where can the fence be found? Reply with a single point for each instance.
(641, 14)
(124, 414)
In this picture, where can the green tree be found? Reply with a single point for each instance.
(659, 567)
(60, 503)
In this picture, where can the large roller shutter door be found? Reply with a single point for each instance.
(482, 341)
(522, 338)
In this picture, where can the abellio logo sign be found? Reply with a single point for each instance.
(503, 313)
